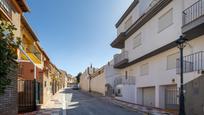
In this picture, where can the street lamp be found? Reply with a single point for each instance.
(89, 75)
(181, 42)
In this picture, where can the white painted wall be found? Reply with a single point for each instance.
(128, 93)
(158, 76)
(110, 73)
(188, 3)
(135, 16)
(151, 37)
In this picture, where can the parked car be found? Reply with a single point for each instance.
(75, 87)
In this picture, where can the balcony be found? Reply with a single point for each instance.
(5, 7)
(124, 80)
(193, 20)
(34, 51)
(193, 62)
(121, 60)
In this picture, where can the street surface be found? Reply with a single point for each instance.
(80, 103)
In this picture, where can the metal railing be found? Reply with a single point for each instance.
(193, 12)
(152, 4)
(120, 57)
(127, 80)
(193, 62)
(32, 49)
(5, 6)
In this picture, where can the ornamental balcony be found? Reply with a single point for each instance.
(193, 62)
(33, 54)
(120, 60)
(193, 20)
(125, 80)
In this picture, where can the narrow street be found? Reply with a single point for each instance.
(79, 103)
(102, 57)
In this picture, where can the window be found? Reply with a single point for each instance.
(172, 61)
(165, 20)
(128, 23)
(144, 69)
(137, 41)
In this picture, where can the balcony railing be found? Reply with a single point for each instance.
(120, 58)
(193, 12)
(127, 80)
(193, 62)
(32, 49)
(5, 6)
(152, 4)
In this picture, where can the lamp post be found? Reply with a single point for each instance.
(181, 45)
(89, 75)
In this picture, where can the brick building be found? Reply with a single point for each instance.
(11, 11)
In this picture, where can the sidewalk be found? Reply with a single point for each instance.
(143, 109)
(134, 107)
(55, 106)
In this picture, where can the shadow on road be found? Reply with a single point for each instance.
(81, 103)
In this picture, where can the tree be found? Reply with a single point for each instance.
(8, 54)
(78, 77)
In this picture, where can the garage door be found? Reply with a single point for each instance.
(149, 97)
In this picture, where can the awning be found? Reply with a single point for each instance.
(32, 57)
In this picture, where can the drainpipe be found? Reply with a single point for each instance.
(35, 76)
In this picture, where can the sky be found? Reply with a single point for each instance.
(76, 33)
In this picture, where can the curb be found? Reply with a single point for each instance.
(129, 108)
(138, 110)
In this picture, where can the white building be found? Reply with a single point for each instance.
(147, 32)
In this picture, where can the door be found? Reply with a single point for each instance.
(25, 96)
(171, 97)
(149, 97)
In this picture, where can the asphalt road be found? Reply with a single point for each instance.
(79, 103)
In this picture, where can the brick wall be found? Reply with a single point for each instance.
(27, 71)
(8, 101)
